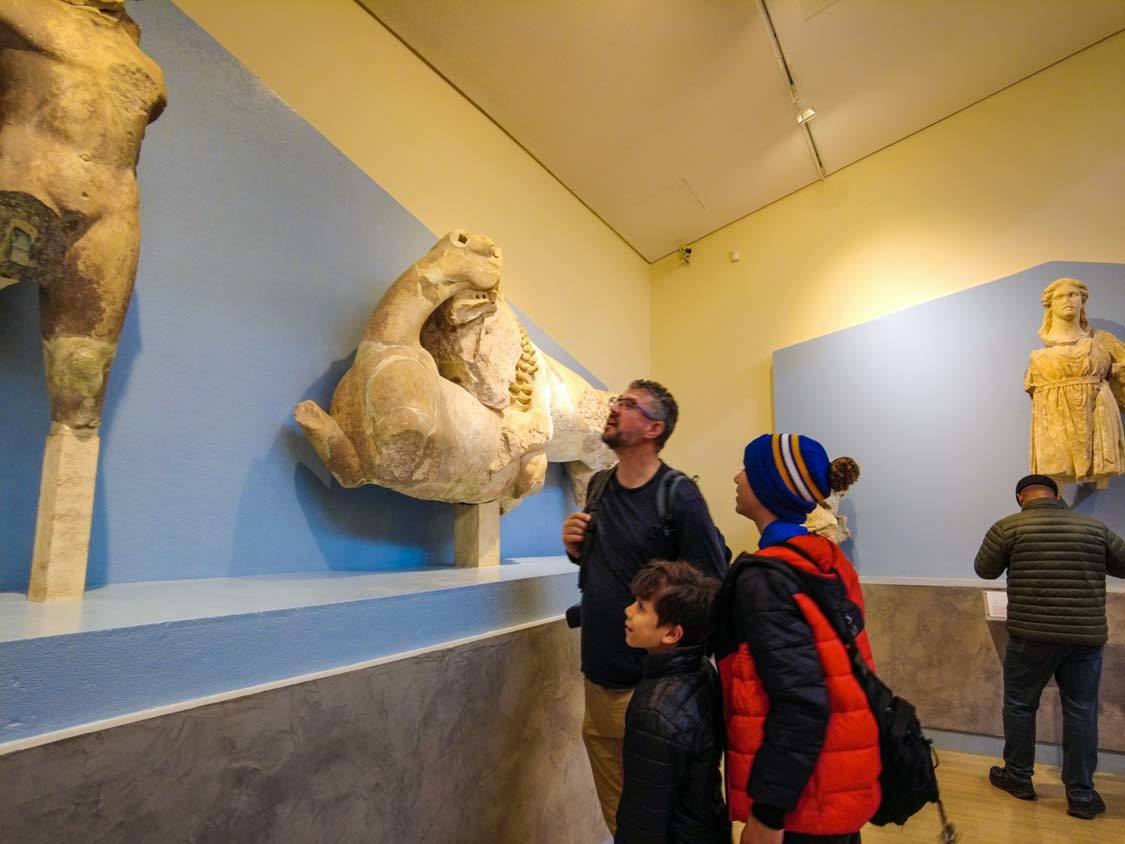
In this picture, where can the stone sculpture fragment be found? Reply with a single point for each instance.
(448, 399)
(1077, 388)
(827, 521)
(76, 94)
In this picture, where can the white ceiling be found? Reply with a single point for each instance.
(671, 118)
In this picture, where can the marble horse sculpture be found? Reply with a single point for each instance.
(449, 400)
(76, 94)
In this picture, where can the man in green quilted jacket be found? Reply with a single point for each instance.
(1057, 561)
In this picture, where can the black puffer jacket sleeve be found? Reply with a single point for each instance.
(1114, 554)
(652, 770)
(785, 655)
(992, 558)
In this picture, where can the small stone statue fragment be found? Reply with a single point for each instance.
(825, 518)
(1077, 388)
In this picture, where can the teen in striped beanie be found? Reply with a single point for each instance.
(790, 473)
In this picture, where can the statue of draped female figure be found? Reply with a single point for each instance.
(1077, 388)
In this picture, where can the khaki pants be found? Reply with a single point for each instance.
(603, 731)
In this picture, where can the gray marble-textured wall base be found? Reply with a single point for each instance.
(934, 647)
(476, 743)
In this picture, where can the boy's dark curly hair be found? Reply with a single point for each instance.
(679, 594)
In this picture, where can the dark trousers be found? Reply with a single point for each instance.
(1077, 671)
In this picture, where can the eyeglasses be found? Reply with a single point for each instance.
(630, 403)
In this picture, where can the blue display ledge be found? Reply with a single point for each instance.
(133, 647)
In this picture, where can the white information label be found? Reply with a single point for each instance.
(995, 605)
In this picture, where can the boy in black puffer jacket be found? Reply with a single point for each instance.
(674, 726)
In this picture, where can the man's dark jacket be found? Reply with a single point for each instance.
(673, 743)
(1057, 561)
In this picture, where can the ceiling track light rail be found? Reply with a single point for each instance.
(804, 112)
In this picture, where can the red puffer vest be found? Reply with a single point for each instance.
(843, 792)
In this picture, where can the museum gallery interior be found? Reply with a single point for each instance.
(314, 313)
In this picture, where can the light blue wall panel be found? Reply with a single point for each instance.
(264, 250)
(930, 401)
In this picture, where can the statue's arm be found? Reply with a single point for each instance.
(992, 558)
(1116, 350)
(1115, 347)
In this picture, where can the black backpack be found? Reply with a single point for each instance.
(908, 779)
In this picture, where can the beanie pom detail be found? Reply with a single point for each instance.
(842, 473)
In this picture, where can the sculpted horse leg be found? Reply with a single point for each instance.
(331, 444)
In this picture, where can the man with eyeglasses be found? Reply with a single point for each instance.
(611, 546)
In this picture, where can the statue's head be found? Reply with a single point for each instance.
(1064, 299)
(465, 259)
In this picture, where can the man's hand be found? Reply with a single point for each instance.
(574, 533)
(756, 832)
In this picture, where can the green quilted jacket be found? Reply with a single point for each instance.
(1057, 561)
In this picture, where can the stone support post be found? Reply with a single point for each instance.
(66, 509)
(476, 534)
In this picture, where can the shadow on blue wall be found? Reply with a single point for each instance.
(128, 349)
(851, 546)
(24, 420)
(354, 529)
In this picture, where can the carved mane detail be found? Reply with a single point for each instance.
(526, 368)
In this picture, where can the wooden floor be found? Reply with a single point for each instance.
(985, 815)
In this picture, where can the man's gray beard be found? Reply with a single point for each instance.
(614, 440)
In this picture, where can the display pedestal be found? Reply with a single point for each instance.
(66, 509)
(476, 534)
(130, 648)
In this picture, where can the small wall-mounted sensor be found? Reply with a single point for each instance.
(685, 254)
(735, 256)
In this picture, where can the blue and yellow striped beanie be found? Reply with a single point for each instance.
(788, 473)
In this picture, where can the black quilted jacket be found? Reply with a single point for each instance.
(1056, 561)
(673, 743)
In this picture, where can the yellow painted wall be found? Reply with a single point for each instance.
(1032, 174)
(447, 164)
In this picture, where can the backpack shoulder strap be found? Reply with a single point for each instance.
(598, 483)
(801, 552)
(779, 566)
(666, 499)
